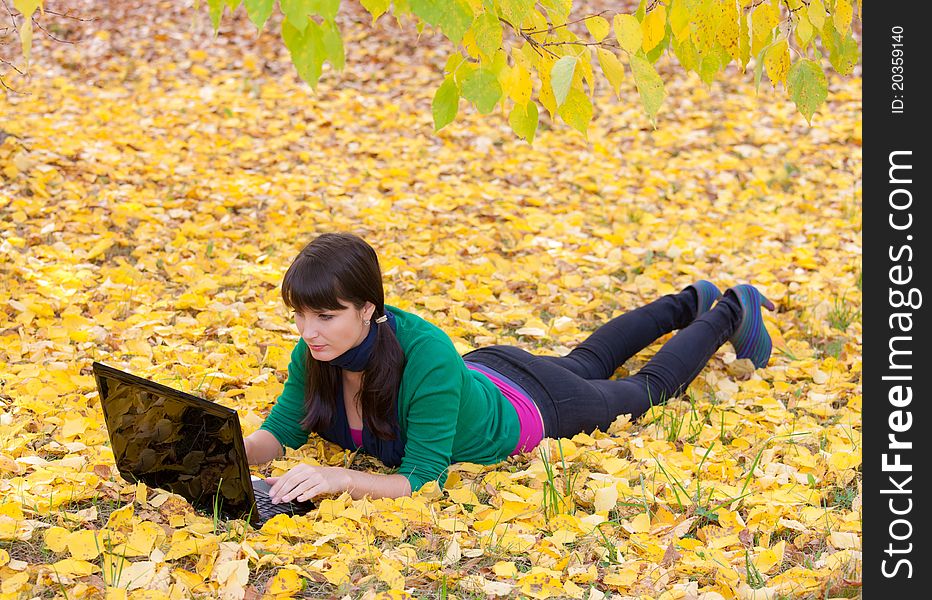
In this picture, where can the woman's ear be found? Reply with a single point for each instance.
(368, 310)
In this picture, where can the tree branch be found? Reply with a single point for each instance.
(68, 16)
(10, 11)
(551, 29)
(47, 33)
(11, 65)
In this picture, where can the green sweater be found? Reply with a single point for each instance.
(446, 412)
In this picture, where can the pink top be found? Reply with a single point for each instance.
(529, 418)
(531, 423)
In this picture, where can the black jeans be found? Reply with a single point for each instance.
(574, 392)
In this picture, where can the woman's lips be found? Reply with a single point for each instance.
(318, 348)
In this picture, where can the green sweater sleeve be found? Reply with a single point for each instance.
(431, 390)
(284, 420)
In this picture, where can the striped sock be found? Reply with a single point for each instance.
(706, 294)
(751, 339)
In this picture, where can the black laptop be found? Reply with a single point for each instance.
(186, 445)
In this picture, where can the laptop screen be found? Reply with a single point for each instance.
(175, 441)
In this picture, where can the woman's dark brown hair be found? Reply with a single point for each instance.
(334, 267)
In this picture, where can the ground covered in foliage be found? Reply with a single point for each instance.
(155, 183)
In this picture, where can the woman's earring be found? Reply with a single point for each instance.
(366, 321)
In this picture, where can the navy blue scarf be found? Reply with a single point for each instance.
(390, 452)
(356, 358)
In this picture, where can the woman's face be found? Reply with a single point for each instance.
(330, 333)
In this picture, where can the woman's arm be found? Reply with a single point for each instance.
(261, 447)
(304, 482)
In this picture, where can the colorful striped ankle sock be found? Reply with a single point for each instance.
(751, 339)
(706, 293)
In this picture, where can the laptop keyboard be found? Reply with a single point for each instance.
(267, 509)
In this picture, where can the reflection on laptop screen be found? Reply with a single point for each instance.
(172, 444)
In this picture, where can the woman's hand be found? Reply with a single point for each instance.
(304, 482)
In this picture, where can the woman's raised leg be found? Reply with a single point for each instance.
(615, 342)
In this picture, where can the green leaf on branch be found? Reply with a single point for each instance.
(523, 120)
(430, 11)
(515, 11)
(686, 53)
(376, 8)
(808, 87)
(259, 11)
(306, 48)
(481, 88)
(709, 66)
(296, 11)
(487, 30)
(401, 8)
(649, 85)
(327, 9)
(561, 77)
(842, 52)
(577, 111)
(445, 104)
(557, 10)
(455, 19)
(333, 45)
(215, 10)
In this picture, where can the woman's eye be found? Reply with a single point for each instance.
(326, 317)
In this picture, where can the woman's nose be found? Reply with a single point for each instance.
(306, 331)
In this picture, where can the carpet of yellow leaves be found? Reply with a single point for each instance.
(154, 187)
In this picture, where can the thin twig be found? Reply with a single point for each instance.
(579, 44)
(10, 11)
(67, 16)
(11, 65)
(551, 29)
(46, 32)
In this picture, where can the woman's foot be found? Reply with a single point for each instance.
(706, 294)
(751, 339)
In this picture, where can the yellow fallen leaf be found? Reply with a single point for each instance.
(56, 539)
(84, 545)
(505, 569)
(71, 567)
(844, 460)
(143, 538)
(183, 548)
(391, 576)
(388, 524)
(606, 498)
(135, 575)
(121, 517)
(12, 584)
(621, 577)
(639, 524)
(452, 524)
(845, 540)
(338, 573)
(285, 582)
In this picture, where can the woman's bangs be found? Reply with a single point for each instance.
(307, 288)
